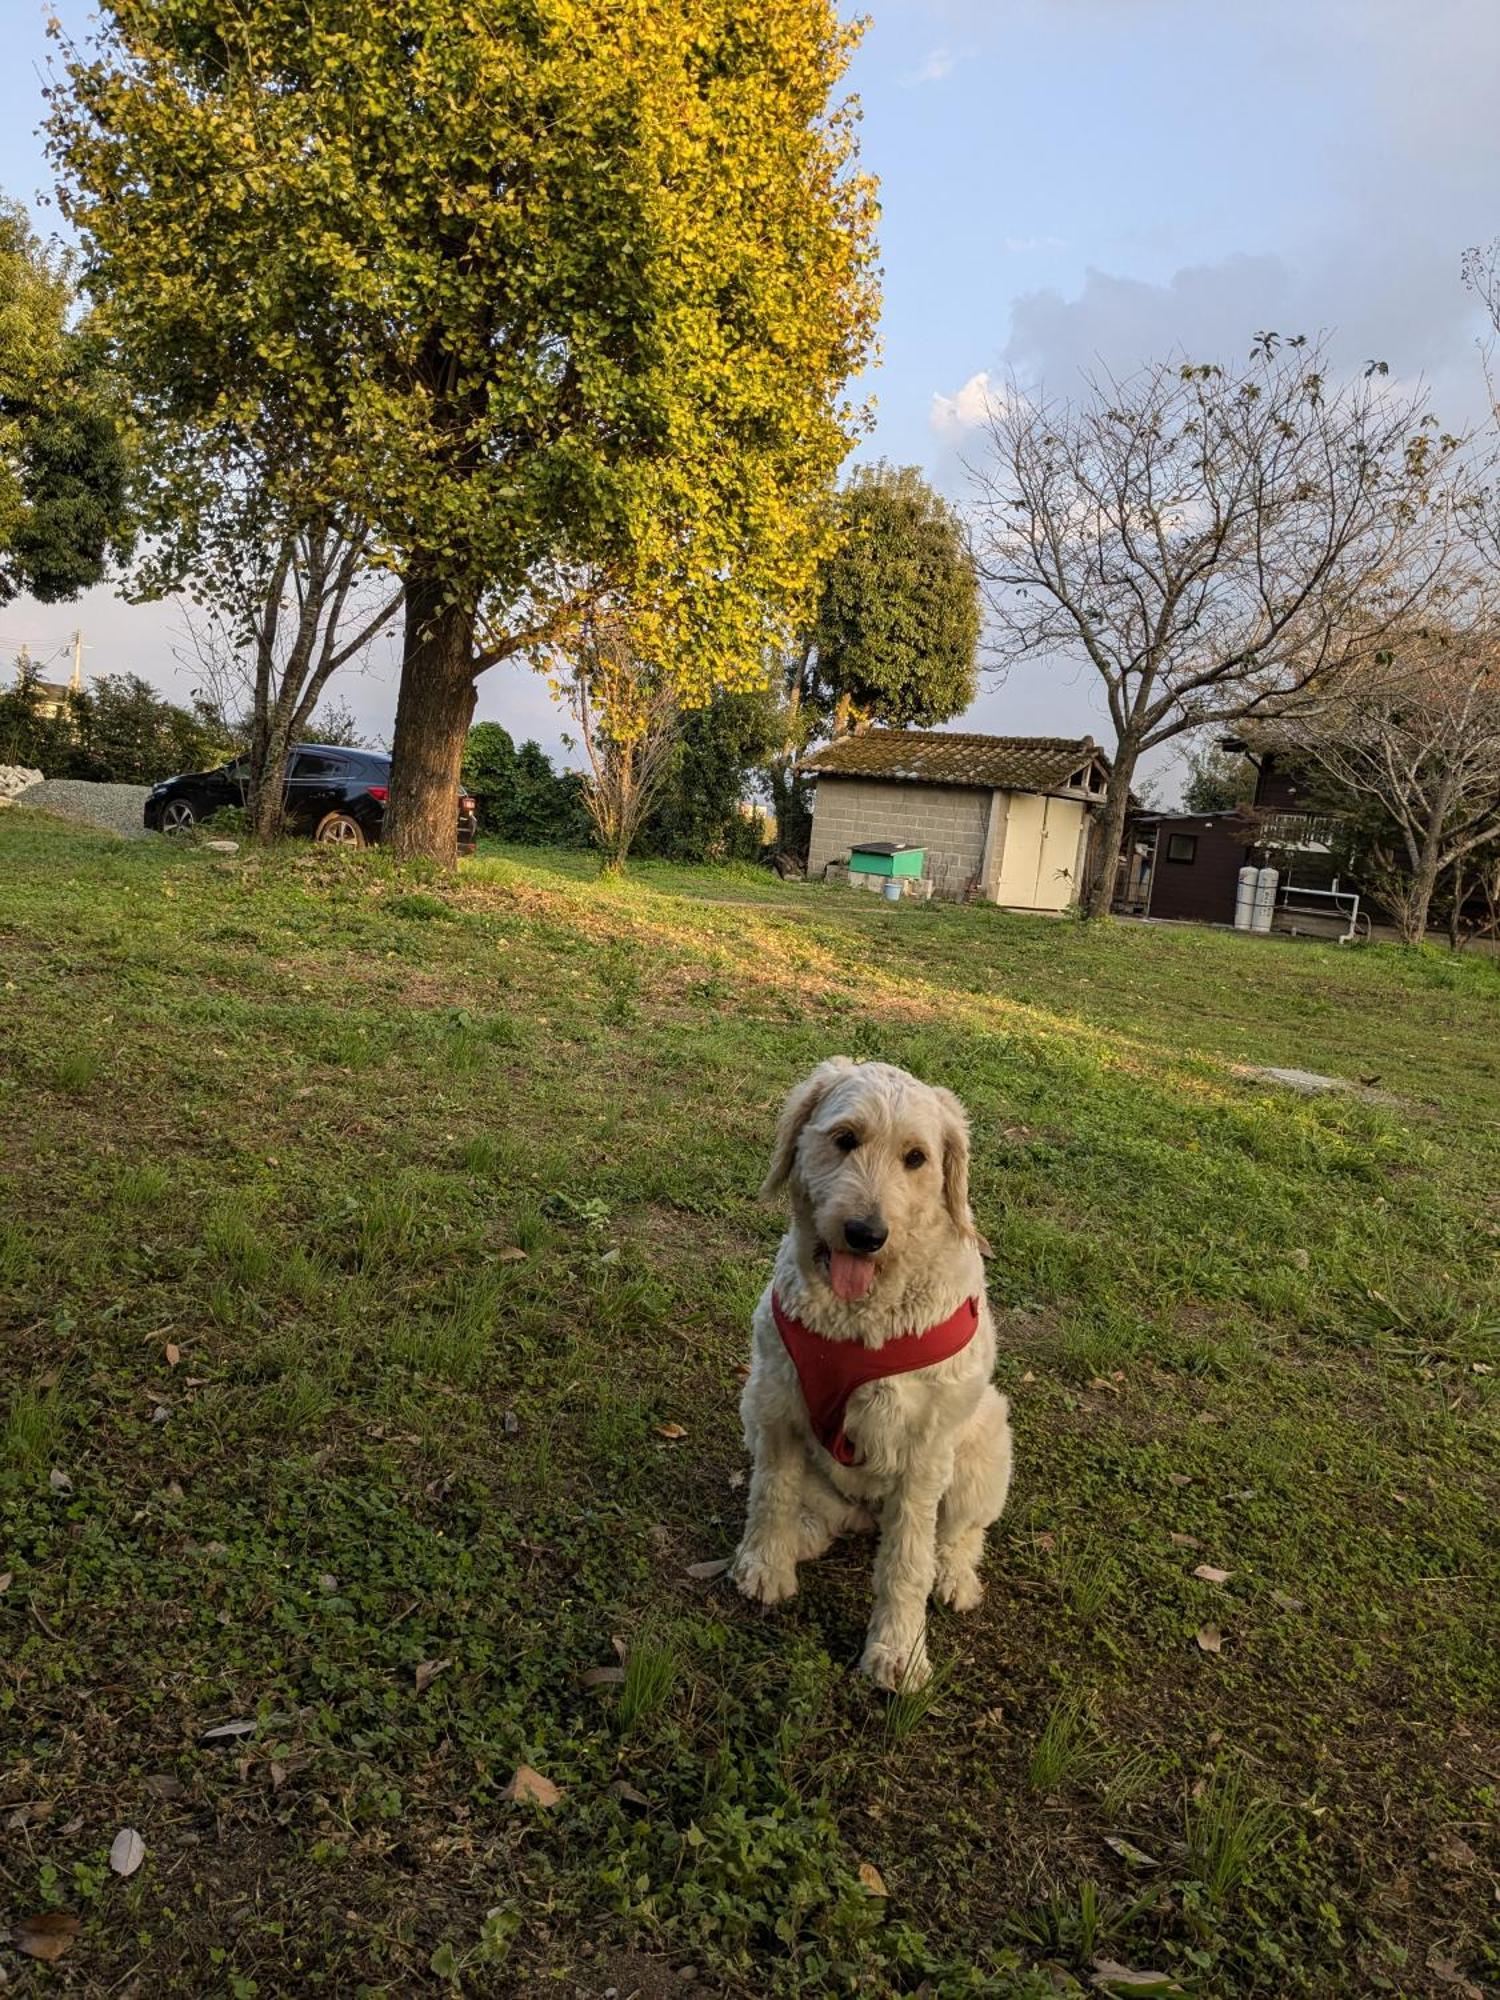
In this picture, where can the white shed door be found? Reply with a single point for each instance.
(1040, 860)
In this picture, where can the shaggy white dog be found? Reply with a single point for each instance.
(873, 1348)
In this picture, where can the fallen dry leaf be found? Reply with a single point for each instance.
(1128, 1852)
(1210, 1639)
(173, 1353)
(532, 1787)
(705, 1572)
(428, 1671)
(226, 1732)
(1206, 1573)
(511, 1254)
(59, 1481)
(872, 1880)
(1046, 1540)
(1112, 1977)
(47, 1936)
(736, 1480)
(7, 1578)
(627, 1794)
(1448, 1971)
(127, 1851)
(278, 1775)
(1186, 1542)
(673, 1431)
(165, 1785)
(1180, 1478)
(1287, 1601)
(602, 1677)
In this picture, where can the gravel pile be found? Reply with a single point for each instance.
(116, 808)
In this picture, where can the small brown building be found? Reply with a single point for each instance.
(1184, 867)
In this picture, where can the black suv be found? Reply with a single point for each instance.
(332, 793)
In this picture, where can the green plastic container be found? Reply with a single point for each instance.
(886, 857)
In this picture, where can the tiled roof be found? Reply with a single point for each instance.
(943, 757)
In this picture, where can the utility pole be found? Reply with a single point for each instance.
(76, 684)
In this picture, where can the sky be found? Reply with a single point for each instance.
(1064, 183)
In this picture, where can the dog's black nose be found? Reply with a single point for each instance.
(866, 1235)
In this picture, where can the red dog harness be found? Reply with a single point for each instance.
(831, 1370)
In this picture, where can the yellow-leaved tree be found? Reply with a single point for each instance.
(547, 291)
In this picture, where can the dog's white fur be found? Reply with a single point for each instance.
(935, 1443)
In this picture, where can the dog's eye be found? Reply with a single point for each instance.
(914, 1157)
(846, 1141)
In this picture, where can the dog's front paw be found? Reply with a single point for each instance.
(761, 1580)
(958, 1584)
(897, 1668)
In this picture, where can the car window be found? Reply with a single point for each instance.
(312, 764)
(238, 773)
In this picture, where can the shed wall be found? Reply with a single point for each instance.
(948, 820)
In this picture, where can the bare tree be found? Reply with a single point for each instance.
(1206, 540)
(1413, 737)
(628, 723)
(289, 591)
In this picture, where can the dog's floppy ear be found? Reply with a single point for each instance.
(956, 1161)
(799, 1107)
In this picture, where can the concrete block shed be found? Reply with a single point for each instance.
(1003, 819)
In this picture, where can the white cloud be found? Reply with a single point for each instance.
(938, 64)
(967, 409)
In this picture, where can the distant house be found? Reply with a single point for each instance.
(1003, 819)
(49, 699)
(1185, 867)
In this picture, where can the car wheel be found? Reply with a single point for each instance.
(177, 816)
(340, 830)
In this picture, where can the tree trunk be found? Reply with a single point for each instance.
(1104, 849)
(1418, 900)
(433, 713)
(268, 783)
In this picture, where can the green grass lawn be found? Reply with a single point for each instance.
(367, 1243)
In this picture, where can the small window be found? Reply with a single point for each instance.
(1182, 847)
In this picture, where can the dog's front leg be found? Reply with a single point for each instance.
(765, 1564)
(895, 1653)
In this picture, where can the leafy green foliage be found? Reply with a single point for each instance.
(893, 635)
(518, 795)
(701, 814)
(118, 730)
(898, 605)
(62, 462)
(1217, 780)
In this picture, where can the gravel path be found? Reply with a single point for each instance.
(116, 808)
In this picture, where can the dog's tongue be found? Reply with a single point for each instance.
(851, 1276)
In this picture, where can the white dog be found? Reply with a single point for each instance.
(873, 1348)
